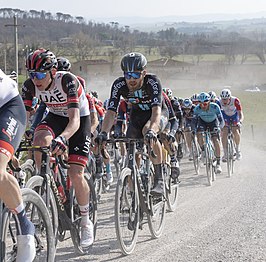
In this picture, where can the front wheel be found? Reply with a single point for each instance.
(127, 212)
(38, 214)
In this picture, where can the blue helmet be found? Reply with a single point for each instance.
(204, 97)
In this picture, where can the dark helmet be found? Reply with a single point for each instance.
(133, 62)
(41, 60)
(63, 64)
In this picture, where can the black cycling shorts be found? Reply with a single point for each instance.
(212, 126)
(79, 143)
(12, 125)
(138, 119)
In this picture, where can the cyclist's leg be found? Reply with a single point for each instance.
(79, 146)
(237, 136)
(214, 128)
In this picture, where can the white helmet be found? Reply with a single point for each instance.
(226, 93)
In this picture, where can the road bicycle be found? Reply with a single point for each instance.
(209, 156)
(54, 186)
(133, 199)
(44, 236)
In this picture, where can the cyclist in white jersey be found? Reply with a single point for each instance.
(233, 115)
(12, 126)
(67, 125)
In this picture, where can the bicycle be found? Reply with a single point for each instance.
(44, 237)
(55, 187)
(133, 199)
(209, 156)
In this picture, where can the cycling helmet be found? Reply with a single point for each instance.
(63, 64)
(180, 100)
(187, 103)
(194, 98)
(41, 60)
(212, 95)
(168, 92)
(133, 62)
(226, 93)
(204, 97)
(94, 94)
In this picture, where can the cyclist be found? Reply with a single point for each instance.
(67, 125)
(13, 123)
(233, 114)
(148, 115)
(208, 115)
(188, 112)
(194, 99)
(214, 98)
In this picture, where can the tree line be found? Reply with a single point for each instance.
(82, 39)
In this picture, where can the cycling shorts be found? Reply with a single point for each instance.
(138, 119)
(79, 143)
(234, 119)
(12, 125)
(212, 126)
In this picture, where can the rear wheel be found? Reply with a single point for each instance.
(156, 214)
(208, 165)
(230, 157)
(126, 213)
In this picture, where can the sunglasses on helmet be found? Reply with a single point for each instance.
(135, 75)
(37, 75)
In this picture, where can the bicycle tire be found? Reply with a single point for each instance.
(156, 216)
(36, 183)
(196, 156)
(230, 157)
(127, 237)
(208, 165)
(75, 232)
(43, 229)
(172, 189)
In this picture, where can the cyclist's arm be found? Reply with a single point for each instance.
(155, 119)
(108, 121)
(73, 124)
(239, 109)
(38, 116)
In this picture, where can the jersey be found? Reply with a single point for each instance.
(232, 107)
(66, 92)
(209, 115)
(148, 96)
(8, 88)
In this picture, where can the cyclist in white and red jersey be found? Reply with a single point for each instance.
(233, 115)
(12, 126)
(67, 125)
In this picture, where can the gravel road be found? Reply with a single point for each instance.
(222, 222)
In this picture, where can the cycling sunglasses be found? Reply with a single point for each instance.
(135, 75)
(38, 75)
(205, 103)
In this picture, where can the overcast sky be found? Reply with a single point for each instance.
(149, 8)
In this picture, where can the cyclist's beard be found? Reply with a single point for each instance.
(134, 84)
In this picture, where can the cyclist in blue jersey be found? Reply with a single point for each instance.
(208, 115)
(149, 114)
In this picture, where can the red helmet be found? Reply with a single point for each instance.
(41, 60)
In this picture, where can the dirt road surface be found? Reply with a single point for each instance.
(222, 222)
